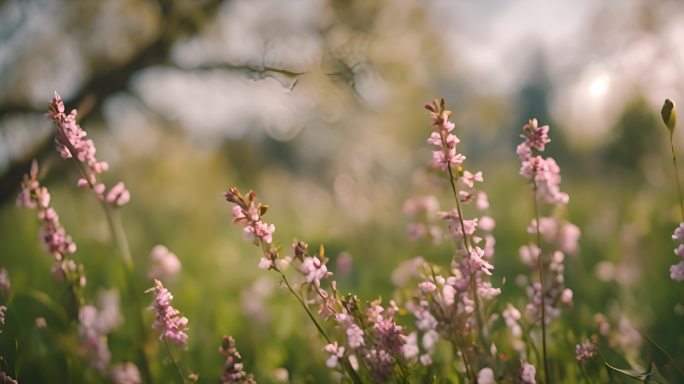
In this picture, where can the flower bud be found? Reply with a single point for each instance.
(669, 114)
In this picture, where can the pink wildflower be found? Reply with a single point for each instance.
(233, 370)
(52, 235)
(586, 351)
(70, 137)
(528, 373)
(678, 234)
(249, 215)
(314, 270)
(445, 156)
(381, 364)
(536, 137)
(355, 336)
(70, 142)
(118, 195)
(544, 172)
(677, 270)
(125, 373)
(168, 321)
(411, 349)
(164, 263)
(335, 352)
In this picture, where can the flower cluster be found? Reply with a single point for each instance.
(233, 370)
(447, 303)
(249, 216)
(52, 235)
(677, 270)
(372, 335)
(70, 142)
(168, 321)
(445, 156)
(555, 293)
(544, 173)
(557, 237)
(586, 351)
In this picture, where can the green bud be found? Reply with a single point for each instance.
(669, 114)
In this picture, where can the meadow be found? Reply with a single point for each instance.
(278, 219)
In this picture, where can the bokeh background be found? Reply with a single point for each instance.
(317, 105)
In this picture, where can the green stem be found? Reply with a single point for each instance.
(584, 373)
(180, 377)
(473, 286)
(540, 263)
(469, 370)
(674, 161)
(119, 236)
(347, 365)
(115, 226)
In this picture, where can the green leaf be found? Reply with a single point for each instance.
(652, 376)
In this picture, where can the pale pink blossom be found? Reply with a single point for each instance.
(164, 263)
(355, 336)
(678, 234)
(314, 270)
(52, 235)
(335, 352)
(410, 348)
(468, 179)
(482, 201)
(445, 156)
(70, 142)
(93, 342)
(677, 271)
(679, 251)
(233, 369)
(430, 339)
(586, 351)
(125, 373)
(248, 215)
(536, 137)
(427, 287)
(168, 321)
(512, 317)
(118, 195)
(486, 376)
(528, 373)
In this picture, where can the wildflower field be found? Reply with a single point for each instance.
(355, 192)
